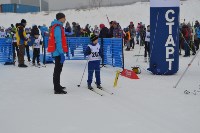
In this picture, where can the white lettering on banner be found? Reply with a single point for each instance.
(170, 62)
(170, 27)
(169, 50)
(170, 40)
(167, 16)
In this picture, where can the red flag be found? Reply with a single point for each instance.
(129, 74)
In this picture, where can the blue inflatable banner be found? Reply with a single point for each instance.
(164, 43)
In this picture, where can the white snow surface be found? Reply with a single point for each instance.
(147, 105)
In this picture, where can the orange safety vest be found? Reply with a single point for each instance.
(52, 42)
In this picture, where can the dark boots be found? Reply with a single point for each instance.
(60, 92)
(90, 87)
(22, 65)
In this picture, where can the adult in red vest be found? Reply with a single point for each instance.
(58, 46)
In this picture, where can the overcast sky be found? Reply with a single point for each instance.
(64, 4)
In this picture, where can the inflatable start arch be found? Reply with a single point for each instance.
(164, 45)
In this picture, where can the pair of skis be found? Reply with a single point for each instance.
(38, 66)
(101, 91)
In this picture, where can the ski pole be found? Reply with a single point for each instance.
(108, 19)
(138, 54)
(186, 69)
(83, 74)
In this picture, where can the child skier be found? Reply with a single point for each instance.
(94, 53)
(36, 42)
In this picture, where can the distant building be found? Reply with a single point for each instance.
(45, 4)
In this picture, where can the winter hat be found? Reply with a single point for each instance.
(101, 26)
(93, 37)
(17, 24)
(60, 15)
(36, 32)
(114, 22)
(23, 21)
(131, 23)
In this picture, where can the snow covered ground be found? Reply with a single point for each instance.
(150, 104)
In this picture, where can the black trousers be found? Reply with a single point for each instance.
(197, 43)
(132, 43)
(56, 75)
(147, 49)
(27, 52)
(36, 54)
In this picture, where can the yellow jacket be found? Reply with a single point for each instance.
(19, 40)
(128, 36)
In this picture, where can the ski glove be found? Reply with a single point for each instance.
(62, 58)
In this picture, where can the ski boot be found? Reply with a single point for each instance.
(63, 88)
(90, 87)
(99, 87)
(60, 92)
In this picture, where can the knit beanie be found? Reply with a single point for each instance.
(93, 37)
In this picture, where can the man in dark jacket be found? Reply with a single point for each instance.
(111, 30)
(74, 29)
(68, 28)
(78, 32)
(87, 28)
(104, 31)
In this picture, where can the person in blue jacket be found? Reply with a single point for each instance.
(58, 53)
(44, 30)
(197, 30)
(94, 53)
